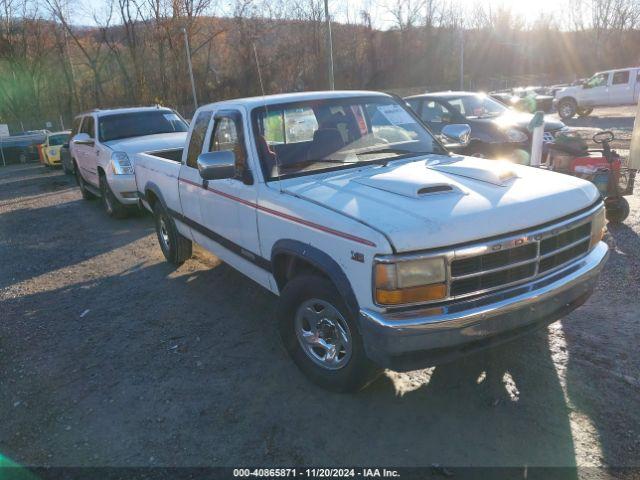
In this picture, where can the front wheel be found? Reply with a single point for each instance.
(176, 248)
(584, 112)
(617, 209)
(567, 108)
(321, 335)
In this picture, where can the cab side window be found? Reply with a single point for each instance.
(227, 136)
(196, 141)
(88, 126)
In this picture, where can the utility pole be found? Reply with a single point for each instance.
(332, 85)
(461, 58)
(193, 83)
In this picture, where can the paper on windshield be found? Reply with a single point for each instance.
(172, 117)
(395, 114)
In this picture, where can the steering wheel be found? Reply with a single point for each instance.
(603, 137)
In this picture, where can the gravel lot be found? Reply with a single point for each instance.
(112, 357)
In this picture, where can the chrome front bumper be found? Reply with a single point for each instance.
(405, 340)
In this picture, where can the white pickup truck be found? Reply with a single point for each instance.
(386, 250)
(610, 88)
(104, 142)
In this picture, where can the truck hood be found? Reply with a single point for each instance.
(571, 91)
(161, 141)
(439, 201)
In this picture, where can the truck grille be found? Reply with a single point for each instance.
(490, 271)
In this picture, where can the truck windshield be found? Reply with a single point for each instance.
(297, 138)
(139, 124)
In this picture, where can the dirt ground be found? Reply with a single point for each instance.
(109, 356)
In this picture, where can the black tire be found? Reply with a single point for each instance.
(584, 112)
(176, 248)
(567, 108)
(617, 209)
(110, 203)
(86, 194)
(358, 371)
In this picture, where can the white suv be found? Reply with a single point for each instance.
(103, 145)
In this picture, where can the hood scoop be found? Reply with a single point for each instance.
(496, 172)
(432, 183)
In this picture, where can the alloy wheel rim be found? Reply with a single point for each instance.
(323, 334)
(164, 233)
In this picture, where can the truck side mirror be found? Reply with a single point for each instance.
(83, 139)
(456, 135)
(217, 165)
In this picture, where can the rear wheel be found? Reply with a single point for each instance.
(616, 209)
(110, 202)
(322, 336)
(584, 112)
(567, 108)
(176, 248)
(86, 194)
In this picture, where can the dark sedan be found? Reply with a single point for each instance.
(496, 131)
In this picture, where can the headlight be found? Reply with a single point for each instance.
(410, 281)
(120, 164)
(597, 227)
(515, 136)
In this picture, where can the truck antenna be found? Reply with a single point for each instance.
(266, 111)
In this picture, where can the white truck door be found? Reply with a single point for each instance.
(190, 183)
(595, 91)
(229, 206)
(621, 88)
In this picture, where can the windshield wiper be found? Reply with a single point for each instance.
(316, 160)
(399, 151)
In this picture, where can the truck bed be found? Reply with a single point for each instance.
(158, 172)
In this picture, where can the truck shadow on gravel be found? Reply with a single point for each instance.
(185, 367)
(39, 240)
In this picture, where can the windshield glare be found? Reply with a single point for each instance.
(477, 106)
(139, 124)
(297, 138)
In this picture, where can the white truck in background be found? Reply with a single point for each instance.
(604, 89)
(385, 249)
(102, 146)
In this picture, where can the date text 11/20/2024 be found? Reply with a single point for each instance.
(316, 472)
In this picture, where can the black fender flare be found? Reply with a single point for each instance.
(321, 261)
(152, 187)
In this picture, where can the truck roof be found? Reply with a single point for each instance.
(260, 101)
(617, 70)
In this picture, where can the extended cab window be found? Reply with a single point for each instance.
(620, 78)
(196, 141)
(227, 136)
